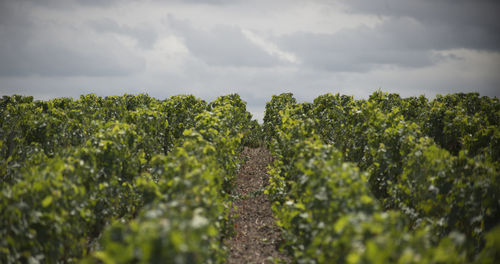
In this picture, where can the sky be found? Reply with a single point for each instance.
(209, 48)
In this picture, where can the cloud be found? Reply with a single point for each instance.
(270, 47)
(460, 23)
(34, 46)
(144, 35)
(223, 45)
(73, 3)
(363, 48)
(58, 54)
(399, 41)
(101, 2)
(208, 2)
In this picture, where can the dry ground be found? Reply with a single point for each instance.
(256, 238)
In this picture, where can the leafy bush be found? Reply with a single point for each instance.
(414, 202)
(69, 168)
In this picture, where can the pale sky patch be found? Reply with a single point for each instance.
(270, 47)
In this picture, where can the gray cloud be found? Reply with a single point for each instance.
(109, 3)
(56, 55)
(31, 46)
(464, 23)
(363, 48)
(222, 46)
(101, 2)
(73, 3)
(143, 34)
(208, 2)
(410, 36)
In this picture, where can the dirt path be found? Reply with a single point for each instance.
(257, 238)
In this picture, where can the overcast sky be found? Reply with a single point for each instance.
(54, 48)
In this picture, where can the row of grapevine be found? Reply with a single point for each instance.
(187, 219)
(410, 201)
(71, 167)
(410, 171)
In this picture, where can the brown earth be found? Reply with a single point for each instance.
(256, 236)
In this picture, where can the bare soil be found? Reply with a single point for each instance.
(256, 236)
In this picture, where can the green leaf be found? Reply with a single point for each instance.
(47, 201)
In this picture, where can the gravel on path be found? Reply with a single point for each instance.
(256, 237)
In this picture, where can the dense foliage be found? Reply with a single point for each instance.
(152, 174)
(133, 179)
(386, 179)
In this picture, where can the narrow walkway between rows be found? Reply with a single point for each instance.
(256, 238)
